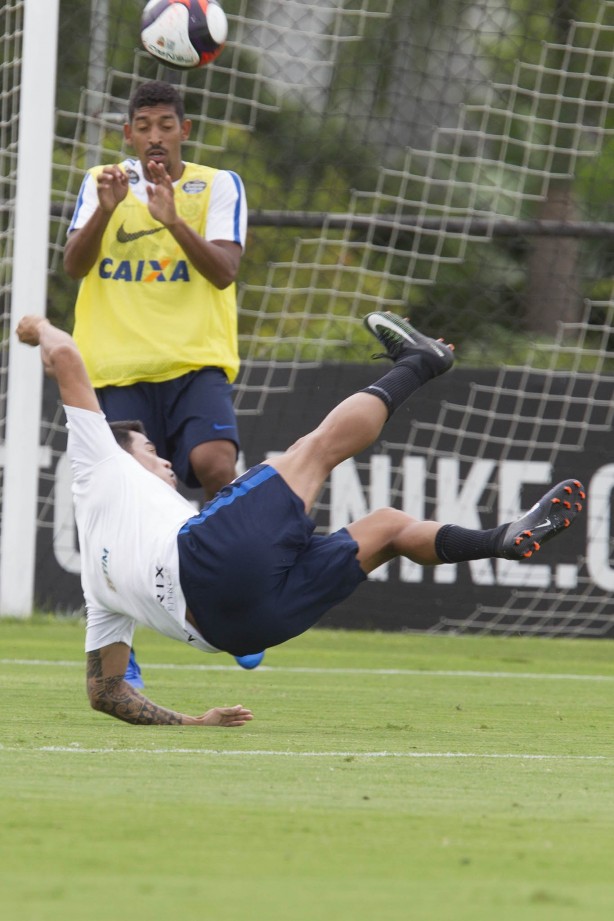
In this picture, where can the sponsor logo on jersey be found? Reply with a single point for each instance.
(164, 588)
(133, 177)
(123, 236)
(194, 186)
(105, 568)
(144, 270)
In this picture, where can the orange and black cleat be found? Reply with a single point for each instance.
(553, 513)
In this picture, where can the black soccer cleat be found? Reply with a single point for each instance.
(553, 513)
(401, 340)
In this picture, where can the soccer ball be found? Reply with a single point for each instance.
(184, 34)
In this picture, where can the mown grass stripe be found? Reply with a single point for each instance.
(297, 669)
(272, 753)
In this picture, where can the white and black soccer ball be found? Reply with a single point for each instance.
(184, 34)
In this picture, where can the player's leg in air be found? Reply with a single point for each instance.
(356, 423)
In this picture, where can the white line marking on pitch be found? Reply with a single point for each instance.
(281, 669)
(264, 753)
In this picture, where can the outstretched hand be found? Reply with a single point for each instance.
(225, 716)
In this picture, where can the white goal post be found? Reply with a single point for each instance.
(29, 288)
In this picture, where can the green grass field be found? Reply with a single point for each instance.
(383, 777)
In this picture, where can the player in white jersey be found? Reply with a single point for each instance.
(247, 571)
(129, 561)
(128, 544)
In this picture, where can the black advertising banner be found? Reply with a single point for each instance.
(448, 454)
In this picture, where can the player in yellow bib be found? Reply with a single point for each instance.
(144, 311)
(157, 244)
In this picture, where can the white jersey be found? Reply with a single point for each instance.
(226, 216)
(128, 520)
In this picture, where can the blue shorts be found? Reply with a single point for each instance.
(252, 571)
(178, 414)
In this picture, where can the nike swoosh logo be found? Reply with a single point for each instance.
(545, 524)
(123, 236)
(218, 427)
(432, 345)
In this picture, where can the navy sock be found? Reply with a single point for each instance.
(454, 544)
(407, 376)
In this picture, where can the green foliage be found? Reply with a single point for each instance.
(556, 90)
(296, 158)
(76, 20)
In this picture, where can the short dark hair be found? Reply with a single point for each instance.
(156, 93)
(122, 432)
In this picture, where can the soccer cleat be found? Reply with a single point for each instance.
(251, 661)
(401, 340)
(133, 673)
(553, 513)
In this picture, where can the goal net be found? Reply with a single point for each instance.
(449, 160)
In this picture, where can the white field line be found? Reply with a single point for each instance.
(289, 669)
(76, 749)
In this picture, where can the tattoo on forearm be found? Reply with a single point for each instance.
(93, 665)
(118, 698)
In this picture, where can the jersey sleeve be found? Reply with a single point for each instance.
(103, 628)
(227, 216)
(87, 202)
(90, 441)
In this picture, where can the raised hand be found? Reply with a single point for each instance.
(28, 329)
(112, 185)
(160, 194)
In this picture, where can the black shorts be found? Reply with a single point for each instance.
(252, 571)
(177, 414)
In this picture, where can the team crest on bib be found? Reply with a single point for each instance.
(194, 186)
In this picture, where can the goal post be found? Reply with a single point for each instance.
(29, 289)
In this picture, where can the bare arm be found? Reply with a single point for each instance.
(61, 361)
(83, 245)
(108, 692)
(216, 260)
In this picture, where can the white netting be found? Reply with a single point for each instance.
(10, 55)
(407, 156)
